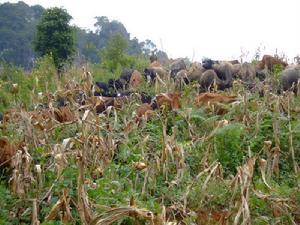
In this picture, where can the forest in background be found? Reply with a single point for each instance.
(18, 23)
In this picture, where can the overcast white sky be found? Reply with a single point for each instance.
(218, 29)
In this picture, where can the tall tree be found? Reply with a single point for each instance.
(55, 36)
(148, 47)
(114, 55)
(88, 45)
(107, 29)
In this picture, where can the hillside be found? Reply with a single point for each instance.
(226, 157)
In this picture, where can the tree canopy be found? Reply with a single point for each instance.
(55, 36)
(17, 27)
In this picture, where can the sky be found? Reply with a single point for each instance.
(218, 29)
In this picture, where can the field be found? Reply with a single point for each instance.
(215, 163)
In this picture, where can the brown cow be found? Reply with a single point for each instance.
(153, 58)
(170, 100)
(155, 64)
(7, 151)
(204, 98)
(136, 79)
(101, 103)
(269, 61)
(144, 110)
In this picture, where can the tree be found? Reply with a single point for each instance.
(87, 45)
(134, 47)
(113, 55)
(107, 29)
(148, 47)
(55, 36)
(17, 25)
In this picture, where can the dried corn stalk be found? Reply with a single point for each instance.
(263, 166)
(243, 181)
(291, 147)
(116, 214)
(187, 116)
(21, 179)
(213, 167)
(38, 170)
(280, 206)
(172, 152)
(83, 204)
(60, 159)
(34, 214)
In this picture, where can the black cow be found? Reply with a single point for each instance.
(149, 74)
(126, 75)
(102, 86)
(116, 84)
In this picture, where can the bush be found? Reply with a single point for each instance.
(229, 147)
(44, 75)
(10, 75)
(114, 57)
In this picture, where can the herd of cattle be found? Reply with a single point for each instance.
(208, 75)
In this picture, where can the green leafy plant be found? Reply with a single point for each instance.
(229, 146)
(55, 36)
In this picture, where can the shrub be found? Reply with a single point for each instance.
(229, 146)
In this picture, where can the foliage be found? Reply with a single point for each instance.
(217, 194)
(17, 29)
(148, 47)
(42, 79)
(4, 204)
(55, 36)
(114, 56)
(13, 75)
(229, 146)
(88, 44)
(44, 75)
